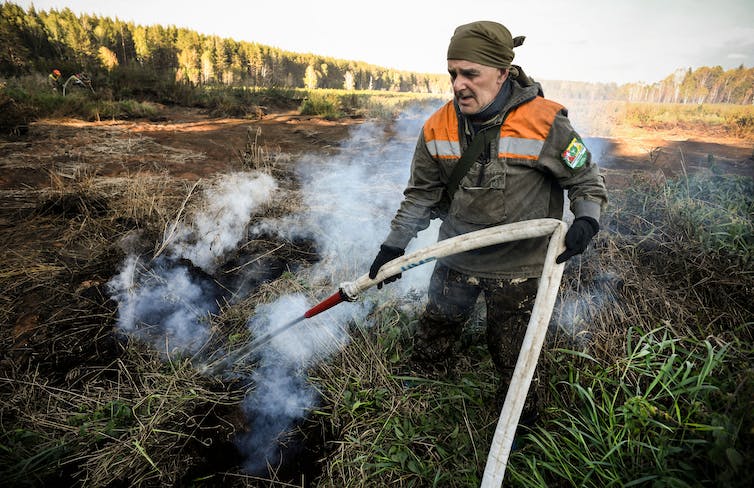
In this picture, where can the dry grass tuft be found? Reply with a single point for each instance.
(121, 421)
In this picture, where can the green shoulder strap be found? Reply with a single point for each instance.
(480, 140)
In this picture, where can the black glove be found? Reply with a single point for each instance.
(578, 236)
(386, 254)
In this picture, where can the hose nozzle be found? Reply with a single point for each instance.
(327, 303)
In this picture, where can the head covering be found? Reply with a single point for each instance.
(484, 42)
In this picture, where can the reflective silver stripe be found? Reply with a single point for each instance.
(444, 149)
(521, 147)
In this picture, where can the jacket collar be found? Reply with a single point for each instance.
(505, 101)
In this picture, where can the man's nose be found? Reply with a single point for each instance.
(459, 84)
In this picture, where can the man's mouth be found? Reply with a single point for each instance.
(464, 97)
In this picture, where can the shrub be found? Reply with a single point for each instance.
(323, 104)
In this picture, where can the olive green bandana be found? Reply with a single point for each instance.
(484, 42)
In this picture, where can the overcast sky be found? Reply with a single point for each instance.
(581, 40)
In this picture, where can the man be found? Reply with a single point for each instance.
(53, 79)
(526, 153)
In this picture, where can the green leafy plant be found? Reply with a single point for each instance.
(645, 419)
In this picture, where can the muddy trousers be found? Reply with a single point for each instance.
(452, 296)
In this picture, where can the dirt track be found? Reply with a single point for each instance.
(187, 145)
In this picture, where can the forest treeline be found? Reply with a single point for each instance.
(38, 41)
(698, 86)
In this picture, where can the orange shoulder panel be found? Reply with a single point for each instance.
(442, 125)
(531, 120)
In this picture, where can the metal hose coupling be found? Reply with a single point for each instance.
(350, 290)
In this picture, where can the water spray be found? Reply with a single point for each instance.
(535, 333)
(239, 355)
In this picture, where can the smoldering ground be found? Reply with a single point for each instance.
(348, 201)
(166, 299)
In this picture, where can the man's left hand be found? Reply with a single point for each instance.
(578, 237)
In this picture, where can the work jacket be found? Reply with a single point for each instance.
(520, 176)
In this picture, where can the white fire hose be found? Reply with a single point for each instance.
(547, 292)
(533, 339)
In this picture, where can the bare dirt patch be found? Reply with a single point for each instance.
(669, 154)
(188, 145)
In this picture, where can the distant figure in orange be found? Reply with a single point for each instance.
(53, 79)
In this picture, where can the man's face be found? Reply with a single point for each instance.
(474, 85)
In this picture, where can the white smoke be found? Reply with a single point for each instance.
(349, 200)
(577, 312)
(167, 302)
(161, 303)
(222, 222)
(282, 394)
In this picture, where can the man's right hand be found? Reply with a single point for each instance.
(578, 236)
(386, 254)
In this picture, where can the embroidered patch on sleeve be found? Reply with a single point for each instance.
(575, 154)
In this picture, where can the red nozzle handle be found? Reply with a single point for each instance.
(328, 302)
